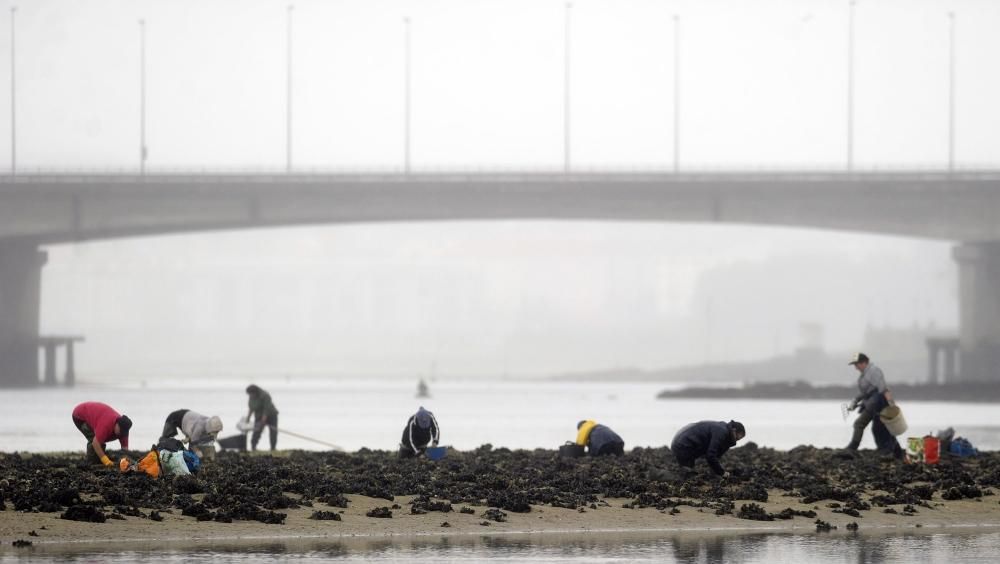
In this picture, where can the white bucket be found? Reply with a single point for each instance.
(893, 419)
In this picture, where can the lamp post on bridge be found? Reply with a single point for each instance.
(13, 98)
(406, 95)
(951, 91)
(143, 152)
(288, 90)
(567, 163)
(850, 86)
(677, 94)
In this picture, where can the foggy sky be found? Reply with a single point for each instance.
(763, 84)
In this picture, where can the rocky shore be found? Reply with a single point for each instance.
(56, 498)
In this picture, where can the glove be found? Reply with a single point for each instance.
(726, 475)
(105, 460)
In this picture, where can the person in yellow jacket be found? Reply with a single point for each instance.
(599, 439)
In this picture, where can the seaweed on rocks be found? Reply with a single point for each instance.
(516, 502)
(325, 516)
(380, 513)
(823, 526)
(754, 512)
(86, 513)
(196, 510)
(789, 513)
(467, 510)
(963, 491)
(188, 484)
(335, 500)
(244, 487)
(21, 543)
(495, 514)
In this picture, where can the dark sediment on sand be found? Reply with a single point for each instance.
(260, 487)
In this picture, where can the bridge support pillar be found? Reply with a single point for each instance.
(20, 304)
(979, 310)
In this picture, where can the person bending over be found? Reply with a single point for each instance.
(421, 429)
(599, 439)
(199, 430)
(708, 439)
(100, 424)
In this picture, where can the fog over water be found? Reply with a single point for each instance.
(488, 299)
(760, 86)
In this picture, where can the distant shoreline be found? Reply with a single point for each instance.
(978, 392)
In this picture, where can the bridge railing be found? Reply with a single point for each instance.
(267, 175)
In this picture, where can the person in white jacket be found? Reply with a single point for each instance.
(200, 431)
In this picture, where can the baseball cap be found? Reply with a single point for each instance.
(859, 357)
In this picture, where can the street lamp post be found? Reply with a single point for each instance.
(951, 91)
(143, 152)
(13, 98)
(406, 95)
(850, 87)
(677, 93)
(567, 163)
(288, 91)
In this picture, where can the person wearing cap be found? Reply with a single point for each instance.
(873, 396)
(100, 424)
(709, 439)
(421, 429)
(599, 439)
(199, 430)
(264, 415)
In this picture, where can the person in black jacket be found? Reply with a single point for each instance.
(421, 429)
(710, 439)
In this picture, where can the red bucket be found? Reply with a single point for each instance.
(932, 450)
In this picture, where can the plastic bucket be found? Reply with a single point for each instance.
(893, 419)
(571, 450)
(932, 450)
(234, 442)
(436, 453)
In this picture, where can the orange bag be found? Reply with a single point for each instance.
(150, 464)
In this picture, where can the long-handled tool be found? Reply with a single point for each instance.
(305, 438)
(245, 426)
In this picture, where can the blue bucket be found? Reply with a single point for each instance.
(436, 453)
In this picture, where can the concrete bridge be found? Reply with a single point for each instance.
(40, 209)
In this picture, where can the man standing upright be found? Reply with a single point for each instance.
(873, 396)
(264, 415)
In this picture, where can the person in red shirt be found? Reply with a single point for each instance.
(101, 424)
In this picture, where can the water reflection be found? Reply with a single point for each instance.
(682, 547)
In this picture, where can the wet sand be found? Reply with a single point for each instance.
(175, 527)
(876, 493)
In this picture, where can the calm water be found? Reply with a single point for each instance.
(355, 414)
(694, 547)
